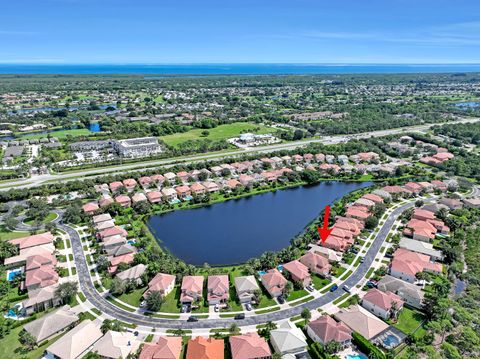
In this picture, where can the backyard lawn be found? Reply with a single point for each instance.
(218, 133)
(409, 320)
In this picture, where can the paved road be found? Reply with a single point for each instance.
(99, 302)
(35, 181)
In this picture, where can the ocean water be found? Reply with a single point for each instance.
(233, 69)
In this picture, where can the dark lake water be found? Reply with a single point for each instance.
(234, 231)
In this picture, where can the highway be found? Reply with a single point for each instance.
(39, 180)
(99, 302)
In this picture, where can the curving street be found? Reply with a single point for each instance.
(101, 303)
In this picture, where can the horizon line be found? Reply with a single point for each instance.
(60, 63)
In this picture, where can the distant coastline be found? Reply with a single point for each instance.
(232, 69)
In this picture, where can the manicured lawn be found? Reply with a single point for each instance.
(296, 294)
(218, 133)
(171, 303)
(133, 298)
(50, 217)
(265, 300)
(409, 320)
(319, 282)
(338, 271)
(60, 134)
(6, 234)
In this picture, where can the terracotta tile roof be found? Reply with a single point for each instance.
(201, 348)
(32, 241)
(164, 348)
(160, 283)
(328, 329)
(249, 346)
(297, 269)
(383, 300)
(411, 263)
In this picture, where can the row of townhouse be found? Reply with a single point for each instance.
(113, 240)
(36, 259)
(347, 227)
(162, 188)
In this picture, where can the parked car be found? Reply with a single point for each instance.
(143, 303)
(248, 306)
(185, 308)
(239, 316)
(362, 259)
(346, 288)
(309, 288)
(371, 284)
(334, 288)
(216, 308)
(192, 319)
(281, 300)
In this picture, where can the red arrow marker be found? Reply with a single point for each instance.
(324, 232)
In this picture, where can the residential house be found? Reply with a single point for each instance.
(154, 197)
(288, 340)
(246, 287)
(472, 202)
(164, 348)
(41, 277)
(192, 289)
(51, 324)
(420, 230)
(110, 232)
(169, 194)
(328, 253)
(41, 299)
(217, 289)
(361, 321)
(134, 273)
(358, 212)
(249, 346)
(198, 189)
(170, 177)
(145, 181)
(325, 329)
(274, 282)
(410, 293)
(116, 186)
(90, 208)
(163, 283)
(105, 201)
(203, 348)
(406, 264)
(451, 203)
(246, 180)
(116, 345)
(76, 342)
(382, 304)
(439, 185)
(211, 187)
(139, 197)
(298, 272)
(32, 241)
(422, 248)
(130, 184)
(316, 263)
(183, 192)
(123, 200)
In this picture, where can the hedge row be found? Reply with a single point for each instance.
(366, 347)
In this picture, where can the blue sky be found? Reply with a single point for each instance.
(243, 31)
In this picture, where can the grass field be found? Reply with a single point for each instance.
(409, 320)
(59, 134)
(218, 133)
(50, 217)
(6, 235)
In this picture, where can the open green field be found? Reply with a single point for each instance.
(221, 132)
(59, 134)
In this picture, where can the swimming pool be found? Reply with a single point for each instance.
(356, 356)
(390, 341)
(13, 273)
